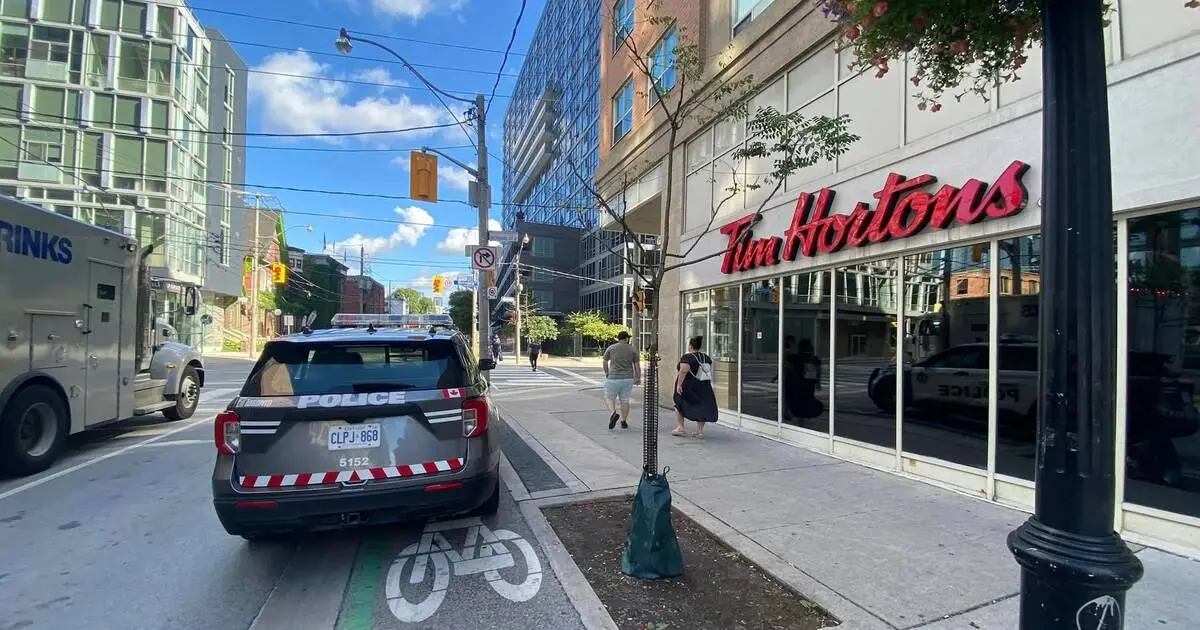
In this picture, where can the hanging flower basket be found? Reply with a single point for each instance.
(954, 46)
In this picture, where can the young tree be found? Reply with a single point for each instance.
(462, 303)
(539, 328)
(791, 141)
(593, 325)
(418, 303)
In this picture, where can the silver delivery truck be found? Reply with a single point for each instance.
(77, 348)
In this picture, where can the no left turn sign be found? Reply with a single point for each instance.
(483, 258)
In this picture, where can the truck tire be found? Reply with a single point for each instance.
(188, 397)
(884, 393)
(33, 431)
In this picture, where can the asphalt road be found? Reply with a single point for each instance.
(121, 533)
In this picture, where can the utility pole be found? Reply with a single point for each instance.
(254, 282)
(484, 197)
(517, 302)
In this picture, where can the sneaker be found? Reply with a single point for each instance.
(612, 420)
(624, 425)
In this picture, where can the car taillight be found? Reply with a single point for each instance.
(227, 433)
(475, 416)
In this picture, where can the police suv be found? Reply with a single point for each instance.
(385, 418)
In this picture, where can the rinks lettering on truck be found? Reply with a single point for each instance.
(23, 241)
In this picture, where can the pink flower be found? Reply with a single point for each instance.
(937, 50)
(879, 60)
(868, 19)
(1192, 4)
(1019, 61)
(853, 33)
(959, 47)
(849, 6)
(921, 106)
(937, 107)
(920, 22)
(916, 80)
(882, 71)
(879, 9)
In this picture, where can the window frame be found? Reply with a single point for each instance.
(50, 46)
(622, 16)
(618, 96)
(671, 34)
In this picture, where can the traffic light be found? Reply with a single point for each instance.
(422, 176)
(977, 253)
(774, 295)
(439, 283)
(278, 273)
(639, 301)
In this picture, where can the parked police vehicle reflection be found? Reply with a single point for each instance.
(954, 384)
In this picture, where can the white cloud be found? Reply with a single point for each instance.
(378, 75)
(448, 174)
(416, 9)
(457, 239)
(313, 104)
(415, 222)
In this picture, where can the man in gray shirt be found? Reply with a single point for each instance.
(622, 370)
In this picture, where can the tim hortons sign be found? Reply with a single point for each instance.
(904, 208)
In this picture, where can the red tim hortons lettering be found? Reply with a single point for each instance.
(903, 210)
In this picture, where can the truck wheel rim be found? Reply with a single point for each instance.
(190, 392)
(37, 430)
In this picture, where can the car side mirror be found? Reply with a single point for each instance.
(487, 365)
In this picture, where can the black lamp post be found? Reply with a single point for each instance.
(1075, 569)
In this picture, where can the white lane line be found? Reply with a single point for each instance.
(95, 460)
(589, 381)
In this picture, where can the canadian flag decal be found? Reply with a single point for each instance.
(452, 393)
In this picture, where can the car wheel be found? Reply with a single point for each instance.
(884, 394)
(492, 505)
(33, 431)
(188, 397)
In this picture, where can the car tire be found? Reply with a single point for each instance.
(36, 404)
(492, 504)
(883, 394)
(188, 397)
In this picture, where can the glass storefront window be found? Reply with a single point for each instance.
(760, 350)
(865, 350)
(1017, 329)
(804, 385)
(1162, 457)
(947, 307)
(722, 346)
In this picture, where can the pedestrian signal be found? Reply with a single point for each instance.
(278, 273)
(422, 176)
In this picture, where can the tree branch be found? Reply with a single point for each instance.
(620, 220)
(734, 190)
(758, 215)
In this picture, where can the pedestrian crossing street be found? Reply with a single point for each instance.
(508, 377)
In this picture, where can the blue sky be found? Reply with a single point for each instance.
(400, 254)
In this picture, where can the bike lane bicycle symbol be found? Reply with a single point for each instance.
(484, 551)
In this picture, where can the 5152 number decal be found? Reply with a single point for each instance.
(354, 462)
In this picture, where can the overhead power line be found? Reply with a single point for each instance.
(325, 27)
(508, 49)
(263, 134)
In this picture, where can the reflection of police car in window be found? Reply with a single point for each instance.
(361, 424)
(958, 379)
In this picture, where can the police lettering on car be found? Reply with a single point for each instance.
(977, 392)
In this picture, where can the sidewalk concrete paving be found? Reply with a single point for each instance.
(875, 549)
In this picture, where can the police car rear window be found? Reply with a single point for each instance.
(297, 369)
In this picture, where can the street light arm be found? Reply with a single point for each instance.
(349, 38)
(472, 172)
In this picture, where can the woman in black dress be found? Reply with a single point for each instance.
(694, 397)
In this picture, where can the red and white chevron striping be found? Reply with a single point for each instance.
(349, 476)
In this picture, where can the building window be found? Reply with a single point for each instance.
(962, 287)
(230, 86)
(110, 14)
(662, 65)
(224, 246)
(745, 10)
(14, 49)
(133, 17)
(622, 22)
(166, 22)
(56, 11)
(50, 44)
(43, 146)
(542, 299)
(543, 247)
(622, 111)
(134, 65)
(48, 105)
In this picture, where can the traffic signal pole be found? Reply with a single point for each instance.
(254, 282)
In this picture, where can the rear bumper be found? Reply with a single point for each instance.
(261, 513)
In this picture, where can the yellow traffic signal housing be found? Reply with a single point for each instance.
(278, 273)
(422, 176)
(775, 295)
(639, 301)
(438, 284)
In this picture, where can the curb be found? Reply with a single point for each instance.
(591, 610)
